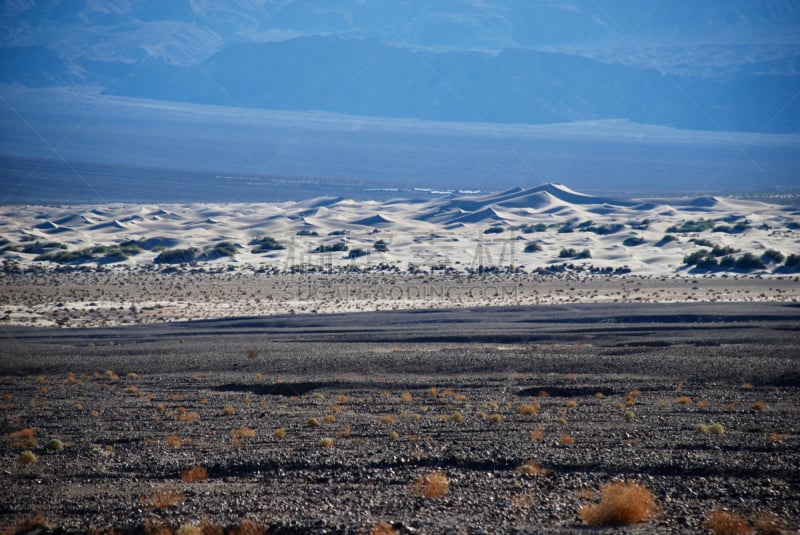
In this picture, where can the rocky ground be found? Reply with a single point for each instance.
(323, 424)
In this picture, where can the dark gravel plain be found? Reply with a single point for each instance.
(322, 423)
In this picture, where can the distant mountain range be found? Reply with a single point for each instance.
(730, 65)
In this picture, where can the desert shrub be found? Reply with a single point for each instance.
(572, 253)
(565, 440)
(26, 457)
(727, 262)
(749, 261)
(336, 247)
(716, 429)
(566, 228)
(496, 418)
(224, 248)
(306, 232)
(603, 230)
(767, 523)
(629, 415)
(493, 230)
(383, 528)
(772, 256)
(195, 473)
(381, 246)
(532, 247)
(280, 432)
(326, 442)
(538, 434)
(702, 242)
(457, 417)
(738, 228)
(687, 227)
(633, 241)
(701, 428)
(726, 523)
(267, 243)
(34, 523)
(432, 485)
(163, 497)
(55, 445)
(793, 260)
(529, 229)
(357, 253)
(24, 438)
(243, 431)
(529, 409)
(177, 256)
(531, 468)
(703, 259)
(621, 503)
(759, 405)
(668, 238)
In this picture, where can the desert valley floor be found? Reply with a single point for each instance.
(466, 364)
(313, 423)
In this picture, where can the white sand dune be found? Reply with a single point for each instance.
(461, 232)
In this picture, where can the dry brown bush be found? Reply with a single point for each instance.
(194, 474)
(163, 497)
(767, 523)
(726, 523)
(529, 409)
(621, 503)
(384, 528)
(24, 438)
(432, 485)
(248, 527)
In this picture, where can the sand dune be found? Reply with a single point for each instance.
(461, 232)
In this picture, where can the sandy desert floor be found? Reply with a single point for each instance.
(314, 423)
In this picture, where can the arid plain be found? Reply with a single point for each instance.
(242, 369)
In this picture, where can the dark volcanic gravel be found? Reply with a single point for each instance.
(400, 395)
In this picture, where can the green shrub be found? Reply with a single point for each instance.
(529, 229)
(225, 248)
(749, 261)
(772, 256)
(265, 244)
(572, 253)
(793, 260)
(738, 228)
(336, 247)
(493, 230)
(357, 253)
(532, 247)
(381, 246)
(692, 226)
(633, 241)
(177, 256)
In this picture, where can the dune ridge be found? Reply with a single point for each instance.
(646, 236)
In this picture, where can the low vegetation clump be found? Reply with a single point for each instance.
(381, 246)
(716, 429)
(531, 468)
(194, 474)
(771, 256)
(266, 244)
(493, 230)
(621, 503)
(529, 409)
(530, 229)
(163, 497)
(336, 247)
(687, 227)
(633, 241)
(432, 485)
(572, 253)
(726, 523)
(224, 248)
(356, 253)
(532, 247)
(326, 442)
(24, 438)
(792, 261)
(55, 445)
(738, 228)
(26, 457)
(178, 256)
